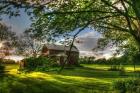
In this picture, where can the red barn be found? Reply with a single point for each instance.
(60, 53)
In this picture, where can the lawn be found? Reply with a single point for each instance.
(85, 79)
(128, 68)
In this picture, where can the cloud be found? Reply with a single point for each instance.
(18, 24)
(90, 34)
(86, 44)
(90, 54)
(87, 40)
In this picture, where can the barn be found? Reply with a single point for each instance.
(60, 53)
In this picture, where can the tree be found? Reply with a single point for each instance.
(6, 33)
(29, 45)
(7, 40)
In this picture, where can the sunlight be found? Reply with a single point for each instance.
(107, 56)
(1, 45)
(15, 57)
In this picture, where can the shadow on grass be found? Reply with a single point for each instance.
(87, 84)
(12, 84)
(78, 80)
(94, 73)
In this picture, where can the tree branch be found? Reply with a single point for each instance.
(67, 60)
(78, 12)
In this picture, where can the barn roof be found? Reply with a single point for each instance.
(61, 47)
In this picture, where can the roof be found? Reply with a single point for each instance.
(61, 47)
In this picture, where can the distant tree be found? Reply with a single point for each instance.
(29, 45)
(6, 33)
(7, 40)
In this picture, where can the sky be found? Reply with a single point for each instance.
(88, 37)
(19, 23)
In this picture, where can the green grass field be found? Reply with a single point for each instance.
(85, 79)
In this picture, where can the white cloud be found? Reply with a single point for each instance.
(87, 40)
(90, 34)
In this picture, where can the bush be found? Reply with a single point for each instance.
(39, 63)
(127, 86)
(119, 68)
(111, 61)
(86, 60)
(116, 68)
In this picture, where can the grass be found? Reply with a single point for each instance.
(128, 68)
(86, 79)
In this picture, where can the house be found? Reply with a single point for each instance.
(60, 53)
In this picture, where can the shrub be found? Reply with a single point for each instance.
(86, 60)
(116, 68)
(111, 61)
(39, 63)
(127, 86)
(119, 68)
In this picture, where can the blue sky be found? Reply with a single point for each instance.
(19, 23)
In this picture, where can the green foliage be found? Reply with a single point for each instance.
(124, 60)
(128, 86)
(116, 68)
(39, 63)
(119, 68)
(111, 61)
(86, 60)
(101, 61)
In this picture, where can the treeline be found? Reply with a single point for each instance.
(124, 60)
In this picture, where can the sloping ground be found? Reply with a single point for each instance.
(78, 80)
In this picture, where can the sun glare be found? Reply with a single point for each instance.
(0, 45)
(14, 57)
